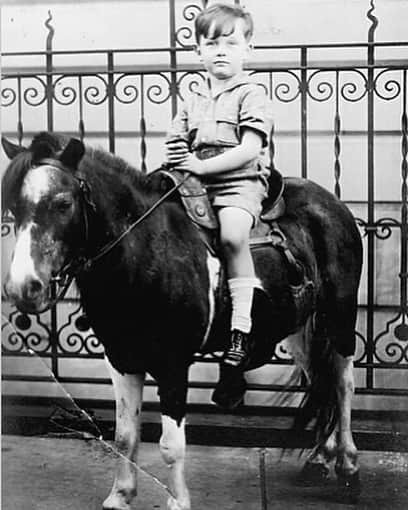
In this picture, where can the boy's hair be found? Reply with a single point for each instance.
(220, 19)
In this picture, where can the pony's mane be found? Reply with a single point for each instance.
(47, 144)
(119, 166)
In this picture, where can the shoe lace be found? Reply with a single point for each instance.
(237, 340)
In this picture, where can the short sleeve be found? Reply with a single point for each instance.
(179, 125)
(256, 112)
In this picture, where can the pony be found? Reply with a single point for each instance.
(153, 293)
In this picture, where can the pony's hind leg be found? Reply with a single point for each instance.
(128, 389)
(317, 465)
(341, 322)
(347, 468)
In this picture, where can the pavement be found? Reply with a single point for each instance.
(62, 473)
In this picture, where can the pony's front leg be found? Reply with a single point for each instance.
(173, 440)
(173, 449)
(128, 389)
(347, 468)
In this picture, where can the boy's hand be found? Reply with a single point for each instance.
(192, 164)
(176, 151)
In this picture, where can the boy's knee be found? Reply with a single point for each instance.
(232, 242)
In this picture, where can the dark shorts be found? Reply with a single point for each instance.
(244, 194)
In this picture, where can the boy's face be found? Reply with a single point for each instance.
(224, 57)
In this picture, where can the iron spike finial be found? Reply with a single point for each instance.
(374, 21)
(51, 31)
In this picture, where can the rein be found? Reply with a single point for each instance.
(109, 246)
(80, 263)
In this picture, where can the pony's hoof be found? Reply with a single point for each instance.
(314, 473)
(116, 502)
(350, 486)
(173, 504)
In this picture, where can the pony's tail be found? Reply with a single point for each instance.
(319, 405)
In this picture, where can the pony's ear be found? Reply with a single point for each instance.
(72, 154)
(11, 149)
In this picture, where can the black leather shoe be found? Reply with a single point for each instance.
(238, 354)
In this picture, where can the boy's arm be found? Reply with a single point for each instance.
(237, 157)
(177, 137)
(179, 125)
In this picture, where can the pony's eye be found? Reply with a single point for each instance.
(62, 206)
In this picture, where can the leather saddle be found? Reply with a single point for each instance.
(268, 232)
(198, 207)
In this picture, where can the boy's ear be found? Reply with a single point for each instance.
(249, 49)
(197, 51)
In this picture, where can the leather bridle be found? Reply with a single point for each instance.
(81, 262)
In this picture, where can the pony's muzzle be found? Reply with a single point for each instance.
(32, 289)
(28, 297)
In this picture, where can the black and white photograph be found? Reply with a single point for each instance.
(204, 254)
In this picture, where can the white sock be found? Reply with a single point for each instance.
(242, 291)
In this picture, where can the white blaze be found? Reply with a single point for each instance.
(36, 186)
(37, 183)
(22, 264)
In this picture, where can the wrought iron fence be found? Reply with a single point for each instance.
(367, 81)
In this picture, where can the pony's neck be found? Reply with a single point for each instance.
(121, 194)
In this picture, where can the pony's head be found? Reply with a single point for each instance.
(41, 189)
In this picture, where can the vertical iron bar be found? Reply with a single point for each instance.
(272, 148)
(20, 129)
(404, 201)
(303, 108)
(54, 333)
(49, 69)
(142, 126)
(371, 206)
(337, 144)
(173, 57)
(81, 125)
(111, 105)
(50, 127)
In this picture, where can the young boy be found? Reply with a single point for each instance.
(220, 135)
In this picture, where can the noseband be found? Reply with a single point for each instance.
(81, 262)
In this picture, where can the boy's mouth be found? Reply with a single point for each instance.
(221, 62)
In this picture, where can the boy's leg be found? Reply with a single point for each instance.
(235, 226)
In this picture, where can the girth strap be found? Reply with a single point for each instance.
(278, 240)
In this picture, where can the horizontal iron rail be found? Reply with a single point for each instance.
(282, 134)
(203, 385)
(198, 359)
(349, 65)
(245, 411)
(189, 48)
